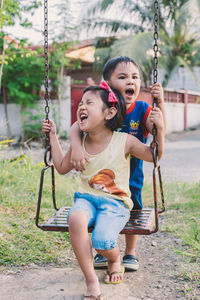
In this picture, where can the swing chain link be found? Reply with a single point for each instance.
(155, 47)
(154, 144)
(46, 69)
(47, 153)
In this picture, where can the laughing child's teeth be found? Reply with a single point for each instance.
(83, 117)
(129, 92)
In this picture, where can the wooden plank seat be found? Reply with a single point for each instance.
(140, 222)
(143, 221)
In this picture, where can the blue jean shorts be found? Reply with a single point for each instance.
(108, 216)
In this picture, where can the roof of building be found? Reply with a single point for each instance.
(86, 54)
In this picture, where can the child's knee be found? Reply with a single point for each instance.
(77, 220)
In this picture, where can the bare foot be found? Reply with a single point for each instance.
(93, 289)
(117, 272)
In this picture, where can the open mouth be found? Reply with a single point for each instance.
(83, 117)
(129, 92)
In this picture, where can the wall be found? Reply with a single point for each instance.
(63, 112)
(14, 120)
(182, 110)
(175, 116)
(193, 115)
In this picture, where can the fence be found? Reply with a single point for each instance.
(182, 109)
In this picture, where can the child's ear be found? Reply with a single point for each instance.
(110, 113)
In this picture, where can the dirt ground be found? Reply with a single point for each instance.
(156, 278)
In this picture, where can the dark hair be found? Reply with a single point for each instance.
(118, 120)
(112, 64)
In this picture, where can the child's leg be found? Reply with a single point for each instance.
(114, 264)
(80, 216)
(130, 261)
(78, 229)
(110, 220)
(131, 241)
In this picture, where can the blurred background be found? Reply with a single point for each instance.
(82, 37)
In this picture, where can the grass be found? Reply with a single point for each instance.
(183, 221)
(22, 243)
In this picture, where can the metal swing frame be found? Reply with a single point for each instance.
(142, 222)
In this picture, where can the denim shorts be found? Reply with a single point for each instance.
(108, 216)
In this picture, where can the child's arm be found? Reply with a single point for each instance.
(78, 156)
(61, 162)
(142, 151)
(158, 93)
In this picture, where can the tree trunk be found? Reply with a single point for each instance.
(6, 112)
(3, 58)
(60, 93)
(23, 118)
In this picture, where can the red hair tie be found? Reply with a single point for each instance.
(112, 97)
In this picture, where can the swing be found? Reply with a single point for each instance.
(144, 221)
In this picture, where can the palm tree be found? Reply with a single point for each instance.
(139, 47)
(178, 31)
(180, 49)
(134, 15)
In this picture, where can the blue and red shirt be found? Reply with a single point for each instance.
(134, 124)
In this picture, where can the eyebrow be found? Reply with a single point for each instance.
(80, 103)
(126, 73)
(89, 99)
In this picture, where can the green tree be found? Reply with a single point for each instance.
(103, 49)
(59, 64)
(139, 48)
(22, 77)
(62, 42)
(64, 28)
(178, 31)
(179, 49)
(10, 12)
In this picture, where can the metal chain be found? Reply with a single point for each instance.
(46, 67)
(154, 144)
(155, 47)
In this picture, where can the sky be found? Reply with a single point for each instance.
(34, 34)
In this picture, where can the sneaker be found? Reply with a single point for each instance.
(130, 262)
(100, 261)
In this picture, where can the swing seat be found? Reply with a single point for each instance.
(140, 222)
(144, 221)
